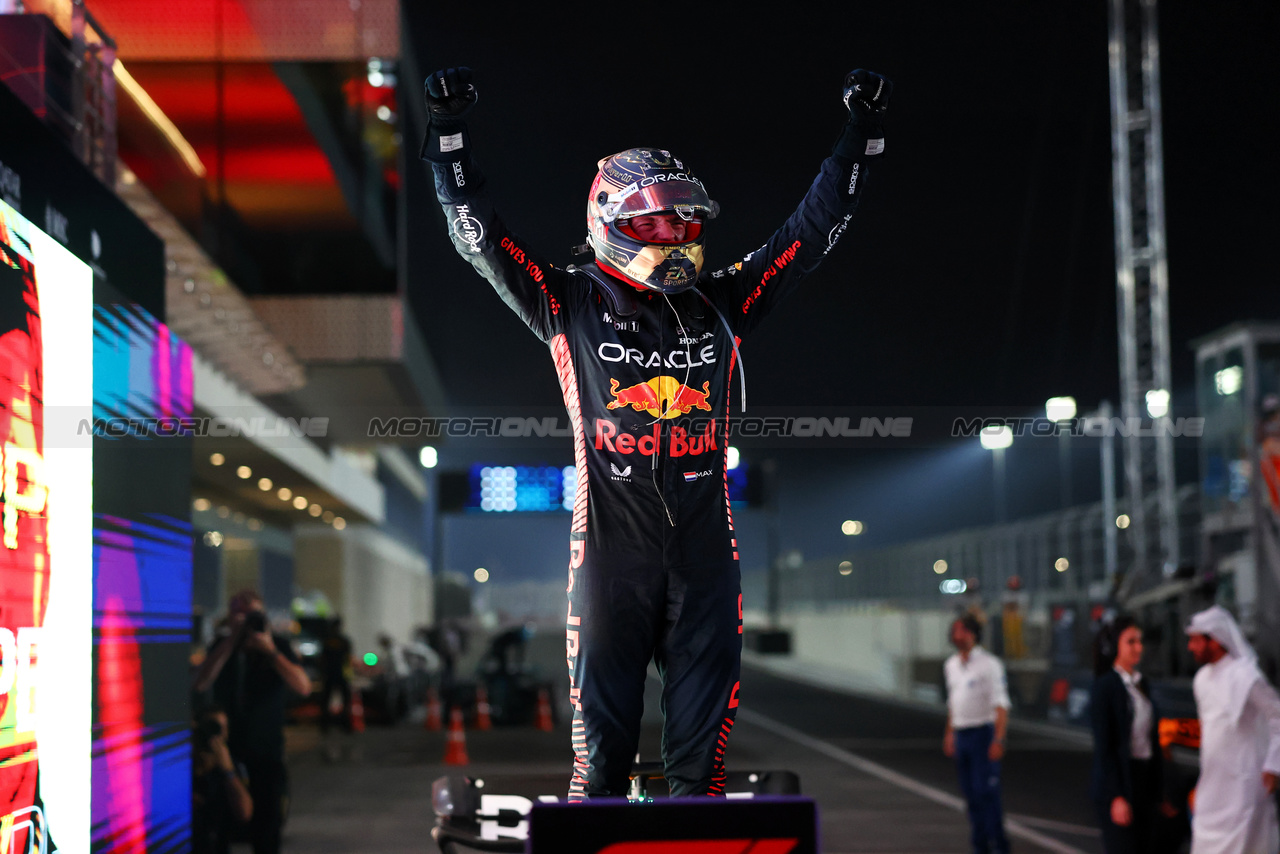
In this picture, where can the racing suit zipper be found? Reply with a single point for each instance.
(661, 480)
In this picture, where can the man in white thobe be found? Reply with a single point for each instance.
(1239, 742)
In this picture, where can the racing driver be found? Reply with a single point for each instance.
(645, 346)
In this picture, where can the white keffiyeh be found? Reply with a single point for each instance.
(1217, 623)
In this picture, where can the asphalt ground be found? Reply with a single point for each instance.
(874, 767)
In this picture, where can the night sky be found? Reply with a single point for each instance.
(979, 271)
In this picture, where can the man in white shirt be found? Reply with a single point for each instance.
(1235, 810)
(977, 717)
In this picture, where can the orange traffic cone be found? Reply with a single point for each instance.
(483, 720)
(455, 747)
(433, 721)
(544, 711)
(357, 711)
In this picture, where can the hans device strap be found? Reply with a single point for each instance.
(623, 304)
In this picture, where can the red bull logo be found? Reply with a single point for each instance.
(679, 442)
(661, 397)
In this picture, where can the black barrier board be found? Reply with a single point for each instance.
(762, 825)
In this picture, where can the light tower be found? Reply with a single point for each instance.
(1142, 286)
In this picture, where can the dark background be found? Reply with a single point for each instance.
(978, 276)
(980, 269)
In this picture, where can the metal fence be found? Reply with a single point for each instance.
(1057, 556)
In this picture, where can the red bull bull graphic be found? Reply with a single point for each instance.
(661, 397)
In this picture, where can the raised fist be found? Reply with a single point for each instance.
(450, 95)
(866, 94)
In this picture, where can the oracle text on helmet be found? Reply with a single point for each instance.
(669, 176)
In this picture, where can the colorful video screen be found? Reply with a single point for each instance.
(46, 559)
(142, 583)
(95, 566)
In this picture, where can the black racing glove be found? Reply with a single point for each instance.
(866, 95)
(450, 95)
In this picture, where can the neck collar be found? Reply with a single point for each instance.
(619, 293)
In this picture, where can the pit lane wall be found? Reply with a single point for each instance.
(867, 647)
(863, 647)
(877, 648)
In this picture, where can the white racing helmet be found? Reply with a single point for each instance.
(648, 182)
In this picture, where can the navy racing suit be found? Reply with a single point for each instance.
(653, 566)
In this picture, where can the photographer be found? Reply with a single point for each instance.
(250, 672)
(220, 799)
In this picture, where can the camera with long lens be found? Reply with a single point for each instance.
(206, 730)
(256, 621)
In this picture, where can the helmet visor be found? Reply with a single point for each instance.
(682, 197)
(662, 229)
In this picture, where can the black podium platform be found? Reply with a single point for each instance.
(758, 825)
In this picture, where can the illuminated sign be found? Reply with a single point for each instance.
(141, 777)
(95, 533)
(522, 488)
(95, 563)
(507, 489)
(46, 334)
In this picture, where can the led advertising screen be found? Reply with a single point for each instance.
(142, 391)
(95, 574)
(46, 560)
(95, 570)
(493, 488)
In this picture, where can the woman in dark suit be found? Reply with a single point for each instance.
(1127, 779)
